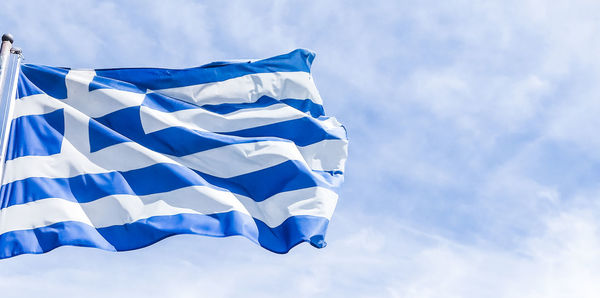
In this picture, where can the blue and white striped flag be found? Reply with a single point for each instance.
(121, 158)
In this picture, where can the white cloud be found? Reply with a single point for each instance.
(562, 261)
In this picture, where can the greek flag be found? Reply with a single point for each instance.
(119, 159)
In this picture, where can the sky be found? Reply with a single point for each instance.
(473, 166)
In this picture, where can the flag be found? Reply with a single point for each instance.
(119, 159)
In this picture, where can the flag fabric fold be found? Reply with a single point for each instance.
(118, 159)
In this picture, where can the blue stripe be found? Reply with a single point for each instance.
(303, 131)
(50, 80)
(101, 136)
(165, 103)
(39, 135)
(25, 87)
(169, 104)
(262, 184)
(126, 125)
(43, 134)
(306, 106)
(281, 239)
(290, 175)
(158, 78)
(303, 105)
(45, 239)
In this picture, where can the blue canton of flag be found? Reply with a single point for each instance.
(121, 158)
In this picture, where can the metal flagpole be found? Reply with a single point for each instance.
(9, 73)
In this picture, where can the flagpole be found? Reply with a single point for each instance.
(9, 72)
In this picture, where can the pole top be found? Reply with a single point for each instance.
(7, 37)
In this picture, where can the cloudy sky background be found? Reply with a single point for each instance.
(474, 154)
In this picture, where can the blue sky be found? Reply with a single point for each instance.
(474, 159)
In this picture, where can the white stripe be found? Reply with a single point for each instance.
(203, 120)
(40, 214)
(245, 89)
(93, 104)
(122, 209)
(234, 160)
(98, 102)
(224, 162)
(249, 88)
(37, 104)
(227, 161)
